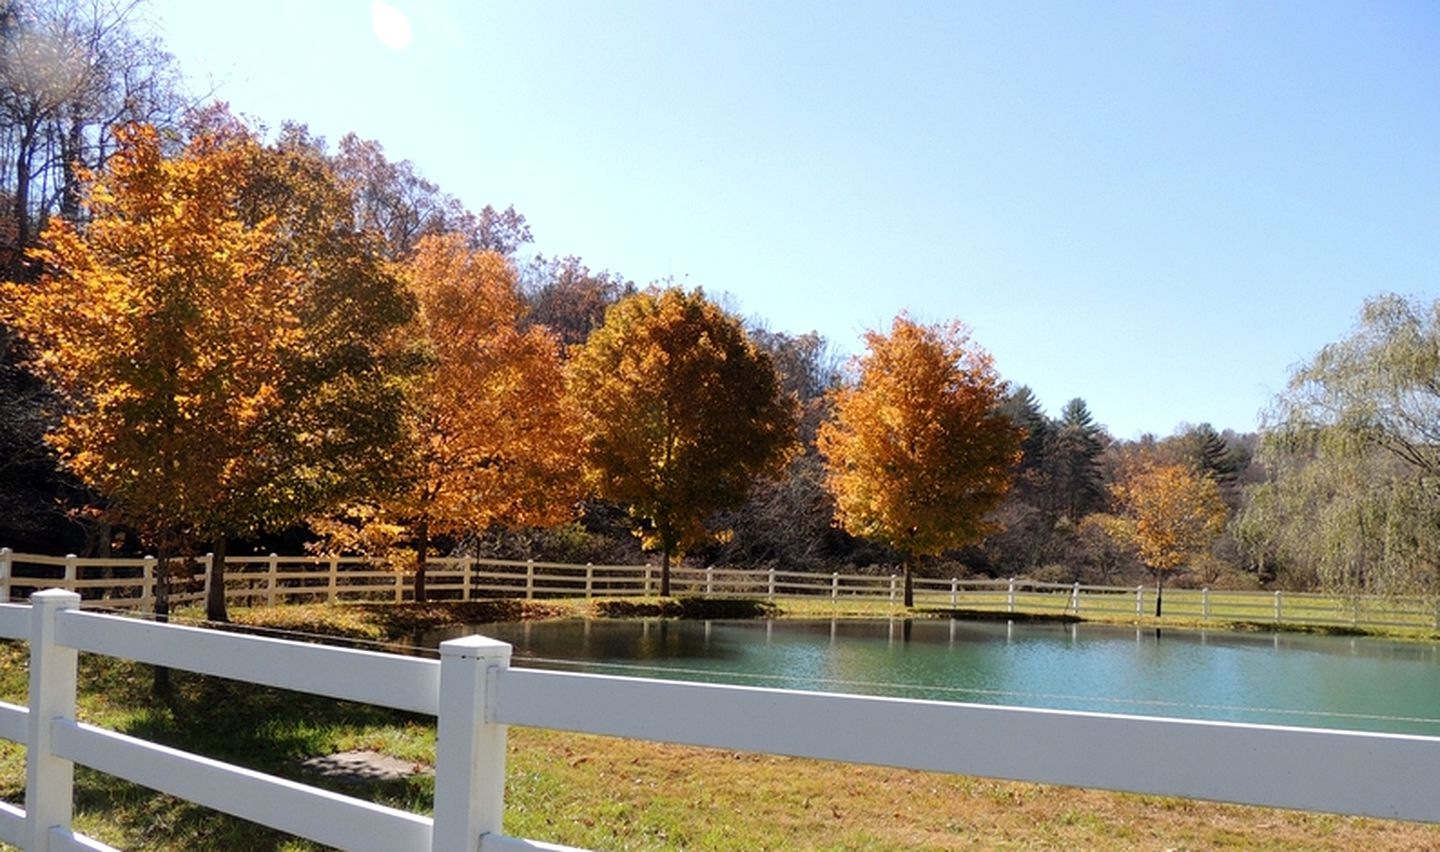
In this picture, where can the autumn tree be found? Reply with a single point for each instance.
(918, 452)
(490, 431)
(680, 414)
(214, 342)
(1170, 514)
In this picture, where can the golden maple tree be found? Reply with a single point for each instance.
(1170, 514)
(917, 451)
(211, 333)
(491, 438)
(680, 413)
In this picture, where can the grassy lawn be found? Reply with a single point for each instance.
(616, 794)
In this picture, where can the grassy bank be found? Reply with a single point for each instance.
(615, 794)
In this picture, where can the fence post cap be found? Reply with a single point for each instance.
(475, 647)
(6, 550)
(55, 598)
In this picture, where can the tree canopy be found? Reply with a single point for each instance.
(918, 451)
(215, 349)
(1353, 449)
(680, 413)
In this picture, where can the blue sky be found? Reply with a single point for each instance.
(1158, 207)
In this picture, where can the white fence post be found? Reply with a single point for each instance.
(647, 581)
(271, 581)
(892, 588)
(1277, 606)
(709, 581)
(770, 590)
(49, 780)
(469, 744)
(1205, 603)
(147, 584)
(1010, 596)
(1075, 598)
(1139, 600)
(835, 589)
(954, 592)
(7, 560)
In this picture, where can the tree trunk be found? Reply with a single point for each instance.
(1159, 590)
(215, 600)
(909, 584)
(665, 572)
(422, 545)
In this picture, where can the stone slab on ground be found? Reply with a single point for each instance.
(360, 767)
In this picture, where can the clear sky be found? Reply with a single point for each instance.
(1159, 207)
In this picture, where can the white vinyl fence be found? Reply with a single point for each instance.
(475, 694)
(268, 580)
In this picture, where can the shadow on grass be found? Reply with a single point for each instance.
(266, 730)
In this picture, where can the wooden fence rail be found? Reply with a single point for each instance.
(129, 584)
(474, 695)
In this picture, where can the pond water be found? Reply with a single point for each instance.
(1281, 679)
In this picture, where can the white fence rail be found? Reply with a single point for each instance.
(268, 580)
(475, 695)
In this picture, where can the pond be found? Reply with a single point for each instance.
(1358, 683)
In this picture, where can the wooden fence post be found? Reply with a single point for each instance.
(469, 744)
(7, 560)
(709, 580)
(466, 565)
(49, 780)
(147, 584)
(529, 579)
(647, 581)
(72, 570)
(770, 592)
(207, 562)
(892, 588)
(271, 581)
(589, 580)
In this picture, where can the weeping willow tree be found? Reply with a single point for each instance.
(1352, 446)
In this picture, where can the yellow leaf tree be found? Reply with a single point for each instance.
(211, 341)
(1170, 513)
(492, 437)
(917, 451)
(680, 413)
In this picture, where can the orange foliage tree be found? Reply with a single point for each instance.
(491, 435)
(1170, 514)
(680, 414)
(212, 339)
(917, 451)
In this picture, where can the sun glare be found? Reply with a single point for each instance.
(390, 25)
